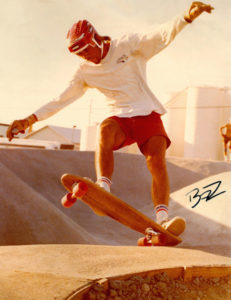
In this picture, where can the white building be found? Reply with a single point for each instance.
(69, 138)
(34, 144)
(48, 137)
(3, 129)
(194, 118)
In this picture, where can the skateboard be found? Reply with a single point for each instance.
(104, 203)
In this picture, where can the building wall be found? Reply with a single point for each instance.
(47, 135)
(174, 123)
(3, 129)
(88, 138)
(194, 119)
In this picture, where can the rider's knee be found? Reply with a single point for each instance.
(106, 130)
(106, 134)
(156, 163)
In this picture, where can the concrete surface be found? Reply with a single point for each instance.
(56, 271)
(49, 252)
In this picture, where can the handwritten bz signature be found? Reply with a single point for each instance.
(206, 193)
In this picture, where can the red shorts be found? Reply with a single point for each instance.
(140, 129)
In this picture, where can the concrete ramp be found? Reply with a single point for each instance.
(207, 208)
(31, 193)
(28, 218)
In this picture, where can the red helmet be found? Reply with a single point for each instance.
(80, 36)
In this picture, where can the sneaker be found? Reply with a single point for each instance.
(175, 225)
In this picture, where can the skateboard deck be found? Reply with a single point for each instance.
(104, 203)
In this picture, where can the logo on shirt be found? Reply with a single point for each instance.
(122, 59)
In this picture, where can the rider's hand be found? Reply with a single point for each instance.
(19, 126)
(196, 9)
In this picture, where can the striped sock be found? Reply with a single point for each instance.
(105, 183)
(161, 212)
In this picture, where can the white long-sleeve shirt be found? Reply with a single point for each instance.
(121, 75)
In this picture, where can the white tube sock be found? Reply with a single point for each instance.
(105, 183)
(161, 212)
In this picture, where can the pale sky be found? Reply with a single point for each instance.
(35, 65)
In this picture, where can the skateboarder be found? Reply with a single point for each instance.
(225, 132)
(117, 69)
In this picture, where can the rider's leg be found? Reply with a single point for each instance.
(154, 151)
(110, 136)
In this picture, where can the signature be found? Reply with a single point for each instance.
(207, 193)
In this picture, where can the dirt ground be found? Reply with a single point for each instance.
(161, 286)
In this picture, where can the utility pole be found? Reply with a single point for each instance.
(73, 132)
(90, 112)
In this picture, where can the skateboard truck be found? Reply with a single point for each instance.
(149, 232)
(151, 238)
(151, 235)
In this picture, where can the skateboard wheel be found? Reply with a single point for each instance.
(68, 200)
(80, 189)
(144, 242)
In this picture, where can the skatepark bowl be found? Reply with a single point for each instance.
(51, 252)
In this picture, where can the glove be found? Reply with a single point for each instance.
(196, 9)
(19, 126)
